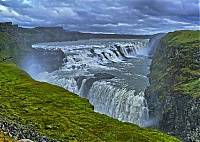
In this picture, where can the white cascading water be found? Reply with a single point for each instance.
(121, 96)
(119, 103)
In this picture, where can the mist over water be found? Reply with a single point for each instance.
(110, 73)
(32, 66)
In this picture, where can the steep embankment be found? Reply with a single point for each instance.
(174, 92)
(40, 111)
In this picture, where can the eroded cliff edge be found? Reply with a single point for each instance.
(174, 92)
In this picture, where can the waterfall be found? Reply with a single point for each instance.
(127, 106)
(122, 97)
(117, 102)
(123, 51)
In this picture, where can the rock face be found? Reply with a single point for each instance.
(174, 92)
(153, 43)
(43, 60)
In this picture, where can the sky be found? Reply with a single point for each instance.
(104, 16)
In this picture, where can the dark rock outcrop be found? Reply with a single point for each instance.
(174, 93)
(89, 82)
(18, 133)
(40, 60)
(104, 76)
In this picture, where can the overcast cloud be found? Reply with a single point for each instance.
(104, 16)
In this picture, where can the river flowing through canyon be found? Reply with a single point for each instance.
(110, 73)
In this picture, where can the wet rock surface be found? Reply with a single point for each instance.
(104, 76)
(43, 60)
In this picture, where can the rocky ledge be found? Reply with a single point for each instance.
(22, 134)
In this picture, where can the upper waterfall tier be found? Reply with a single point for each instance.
(91, 53)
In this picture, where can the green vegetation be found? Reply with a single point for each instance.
(4, 138)
(56, 112)
(177, 66)
(181, 39)
(69, 117)
(5, 45)
(11, 48)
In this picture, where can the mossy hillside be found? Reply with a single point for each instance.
(67, 116)
(11, 48)
(5, 45)
(177, 66)
(182, 38)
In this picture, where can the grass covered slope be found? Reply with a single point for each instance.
(10, 48)
(67, 116)
(56, 113)
(177, 66)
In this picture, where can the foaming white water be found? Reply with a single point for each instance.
(95, 53)
(119, 103)
(52, 78)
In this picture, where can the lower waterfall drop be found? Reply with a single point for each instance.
(127, 106)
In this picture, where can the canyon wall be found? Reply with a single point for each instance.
(174, 92)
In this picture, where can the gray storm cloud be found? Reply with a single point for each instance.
(105, 16)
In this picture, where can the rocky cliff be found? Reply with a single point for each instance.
(174, 92)
(18, 47)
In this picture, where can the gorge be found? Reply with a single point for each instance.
(162, 106)
(110, 73)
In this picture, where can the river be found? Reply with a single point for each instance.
(110, 73)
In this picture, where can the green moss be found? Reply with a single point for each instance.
(181, 38)
(175, 67)
(5, 138)
(70, 117)
(191, 88)
(5, 45)
(12, 48)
